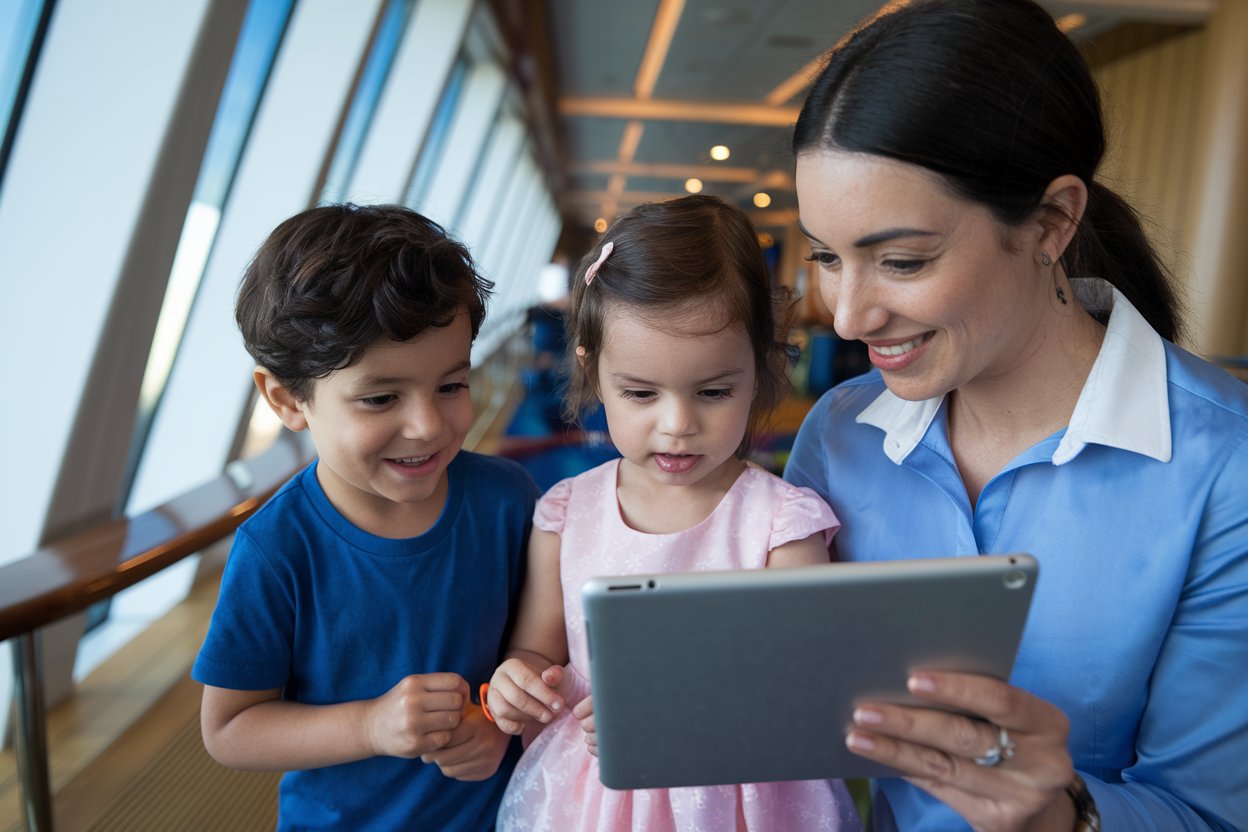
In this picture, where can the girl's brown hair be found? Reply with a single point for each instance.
(675, 260)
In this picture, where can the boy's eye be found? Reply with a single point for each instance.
(453, 387)
(717, 393)
(825, 259)
(378, 401)
(637, 395)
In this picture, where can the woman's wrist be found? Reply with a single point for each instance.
(1087, 819)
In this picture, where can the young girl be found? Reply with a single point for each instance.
(673, 323)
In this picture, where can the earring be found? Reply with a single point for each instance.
(1045, 259)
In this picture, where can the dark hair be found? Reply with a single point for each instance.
(331, 280)
(992, 96)
(692, 254)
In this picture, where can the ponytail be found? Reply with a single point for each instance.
(1110, 243)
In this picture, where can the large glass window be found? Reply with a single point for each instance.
(253, 59)
(364, 104)
(19, 29)
(435, 139)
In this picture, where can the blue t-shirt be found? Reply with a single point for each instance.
(1138, 515)
(312, 604)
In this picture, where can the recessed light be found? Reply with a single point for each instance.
(600, 225)
(1071, 22)
(762, 200)
(693, 186)
(720, 152)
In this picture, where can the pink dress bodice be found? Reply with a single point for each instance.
(555, 786)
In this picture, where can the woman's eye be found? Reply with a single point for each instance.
(452, 388)
(717, 393)
(826, 259)
(904, 266)
(378, 401)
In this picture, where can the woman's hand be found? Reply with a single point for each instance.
(936, 750)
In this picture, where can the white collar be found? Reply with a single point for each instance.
(1123, 403)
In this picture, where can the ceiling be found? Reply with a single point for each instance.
(642, 90)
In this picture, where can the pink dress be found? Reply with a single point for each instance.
(555, 786)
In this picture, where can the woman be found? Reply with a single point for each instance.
(1028, 396)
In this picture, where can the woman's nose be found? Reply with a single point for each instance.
(854, 304)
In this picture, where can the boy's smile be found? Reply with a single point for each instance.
(387, 427)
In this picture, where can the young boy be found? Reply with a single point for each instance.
(362, 603)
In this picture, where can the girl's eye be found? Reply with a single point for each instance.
(717, 394)
(826, 259)
(453, 387)
(637, 395)
(904, 266)
(378, 401)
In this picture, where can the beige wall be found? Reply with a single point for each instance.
(1178, 121)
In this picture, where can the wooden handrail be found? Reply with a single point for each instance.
(72, 574)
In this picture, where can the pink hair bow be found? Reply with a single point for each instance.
(592, 271)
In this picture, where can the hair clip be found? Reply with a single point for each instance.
(592, 271)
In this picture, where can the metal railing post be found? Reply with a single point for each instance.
(32, 736)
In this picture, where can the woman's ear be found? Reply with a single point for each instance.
(280, 400)
(1062, 208)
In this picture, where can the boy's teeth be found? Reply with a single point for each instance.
(412, 460)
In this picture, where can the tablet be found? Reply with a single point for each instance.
(707, 678)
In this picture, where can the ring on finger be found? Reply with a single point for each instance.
(1001, 751)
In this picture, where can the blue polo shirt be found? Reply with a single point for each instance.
(1138, 515)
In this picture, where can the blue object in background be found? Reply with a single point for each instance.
(821, 374)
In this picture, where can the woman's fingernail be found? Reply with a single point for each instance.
(859, 742)
(866, 716)
(922, 684)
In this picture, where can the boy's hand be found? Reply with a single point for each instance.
(475, 749)
(519, 695)
(416, 716)
(584, 711)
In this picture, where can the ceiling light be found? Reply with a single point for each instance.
(693, 186)
(720, 152)
(766, 240)
(761, 200)
(600, 225)
(1071, 22)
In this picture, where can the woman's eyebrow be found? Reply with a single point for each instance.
(873, 239)
(891, 234)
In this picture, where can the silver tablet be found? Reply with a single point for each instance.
(737, 677)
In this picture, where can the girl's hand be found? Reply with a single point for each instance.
(415, 716)
(935, 750)
(584, 711)
(474, 750)
(520, 695)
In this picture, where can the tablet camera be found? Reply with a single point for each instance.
(1014, 579)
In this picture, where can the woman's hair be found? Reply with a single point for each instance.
(331, 280)
(679, 262)
(993, 97)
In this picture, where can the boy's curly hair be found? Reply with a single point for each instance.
(331, 280)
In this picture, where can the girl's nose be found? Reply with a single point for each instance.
(679, 418)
